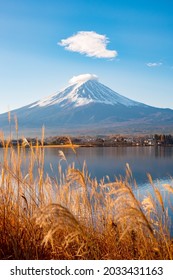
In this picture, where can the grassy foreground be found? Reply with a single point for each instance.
(74, 217)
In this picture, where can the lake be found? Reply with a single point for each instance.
(111, 161)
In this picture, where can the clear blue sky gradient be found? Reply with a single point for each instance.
(33, 65)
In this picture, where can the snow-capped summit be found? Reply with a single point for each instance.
(82, 90)
(87, 106)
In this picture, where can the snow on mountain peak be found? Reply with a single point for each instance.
(82, 78)
(82, 90)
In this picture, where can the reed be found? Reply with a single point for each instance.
(74, 216)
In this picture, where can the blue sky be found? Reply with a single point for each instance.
(134, 41)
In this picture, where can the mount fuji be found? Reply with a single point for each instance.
(87, 106)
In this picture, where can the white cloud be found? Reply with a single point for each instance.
(154, 64)
(89, 43)
(82, 78)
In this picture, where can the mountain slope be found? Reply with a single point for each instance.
(86, 106)
(85, 91)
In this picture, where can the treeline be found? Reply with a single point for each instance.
(162, 139)
(104, 140)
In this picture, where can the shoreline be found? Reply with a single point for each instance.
(69, 146)
(57, 146)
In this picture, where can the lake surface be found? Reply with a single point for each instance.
(111, 161)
